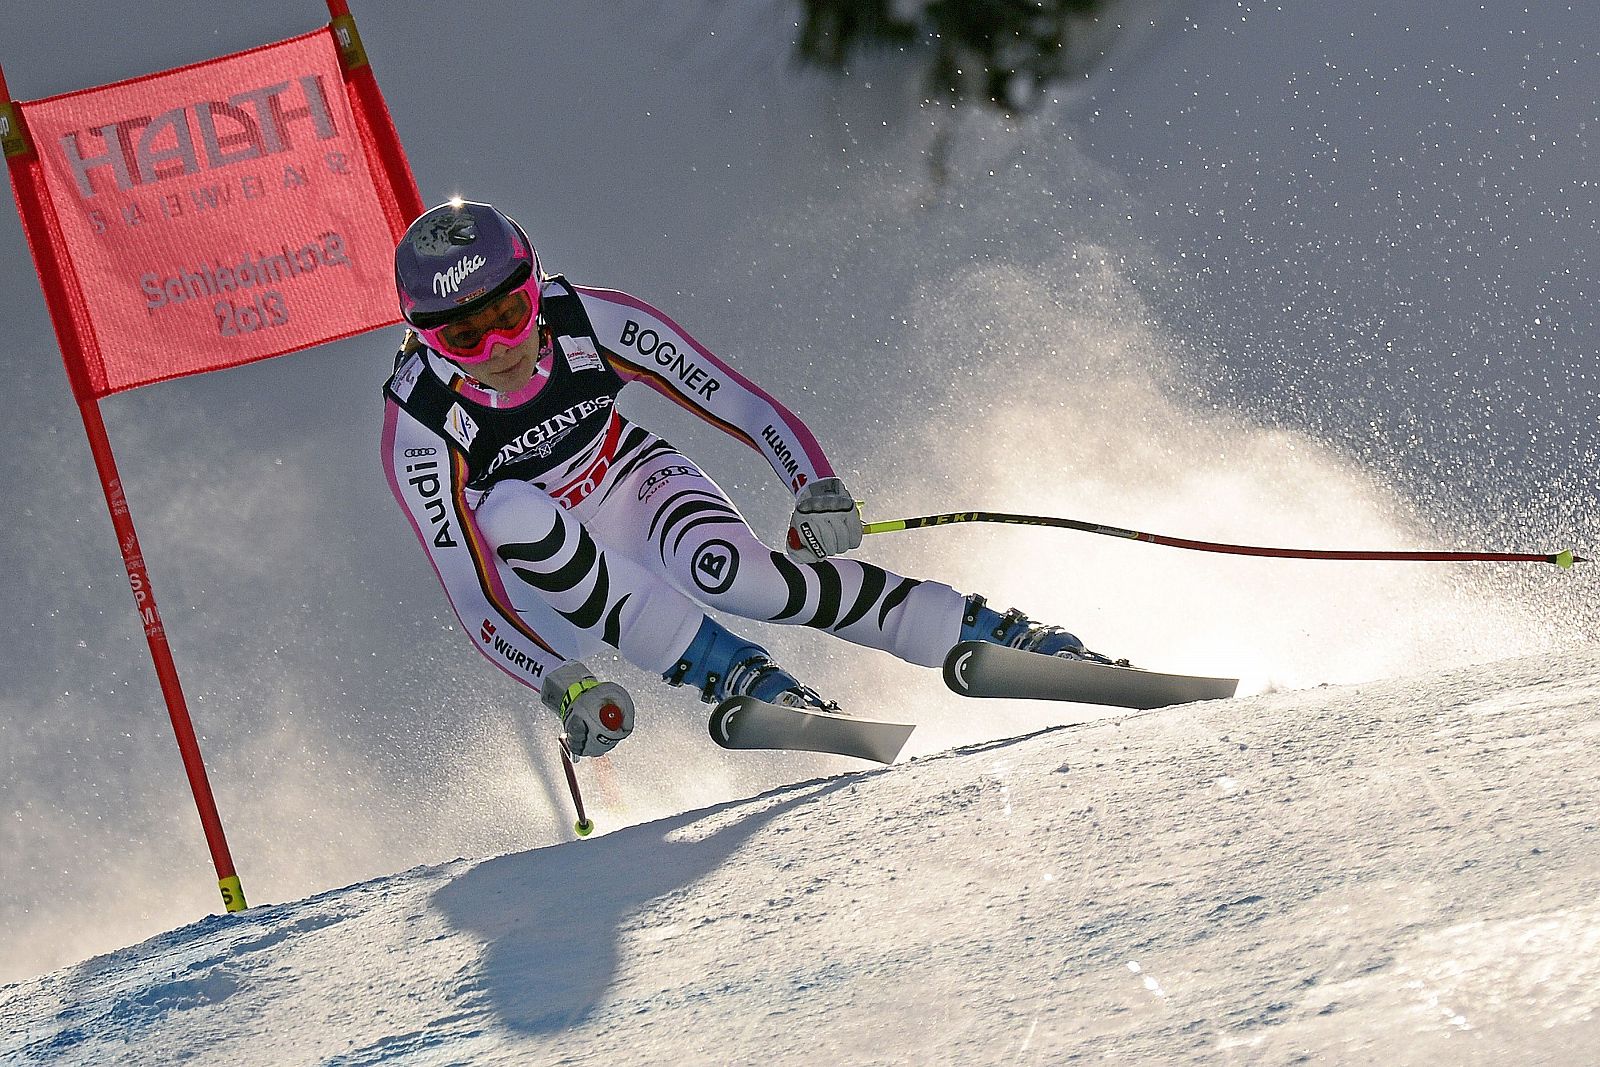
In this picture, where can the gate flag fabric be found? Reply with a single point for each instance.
(211, 215)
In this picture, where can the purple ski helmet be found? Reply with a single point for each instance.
(458, 257)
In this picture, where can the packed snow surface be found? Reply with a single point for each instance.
(1405, 871)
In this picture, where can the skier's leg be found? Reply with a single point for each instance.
(678, 521)
(671, 514)
(609, 599)
(606, 598)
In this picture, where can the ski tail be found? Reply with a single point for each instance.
(748, 723)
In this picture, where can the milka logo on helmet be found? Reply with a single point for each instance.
(448, 282)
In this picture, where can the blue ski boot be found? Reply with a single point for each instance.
(721, 664)
(1016, 630)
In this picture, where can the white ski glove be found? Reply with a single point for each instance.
(596, 714)
(825, 521)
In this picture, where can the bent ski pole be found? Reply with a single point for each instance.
(583, 826)
(1563, 559)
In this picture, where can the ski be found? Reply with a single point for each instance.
(979, 669)
(745, 722)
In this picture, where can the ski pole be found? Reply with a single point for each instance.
(1563, 559)
(583, 826)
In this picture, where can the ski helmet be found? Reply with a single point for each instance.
(461, 259)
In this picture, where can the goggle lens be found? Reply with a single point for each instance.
(509, 320)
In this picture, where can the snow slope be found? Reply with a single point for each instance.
(1402, 871)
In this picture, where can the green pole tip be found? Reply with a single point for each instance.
(584, 827)
(1565, 559)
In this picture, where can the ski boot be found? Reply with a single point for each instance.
(722, 664)
(1015, 630)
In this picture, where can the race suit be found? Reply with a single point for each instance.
(558, 526)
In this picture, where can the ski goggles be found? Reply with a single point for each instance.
(507, 319)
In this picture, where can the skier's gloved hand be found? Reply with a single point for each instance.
(596, 714)
(825, 521)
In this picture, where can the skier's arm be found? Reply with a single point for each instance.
(423, 474)
(643, 344)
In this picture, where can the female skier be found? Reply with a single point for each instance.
(558, 526)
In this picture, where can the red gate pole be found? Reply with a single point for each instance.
(36, 224)
(155, 634)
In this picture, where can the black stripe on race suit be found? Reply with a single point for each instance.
(657, 448)
(894, 599)
(589, 612)
(613, 632)
(570, 573)
(667, 503)
(692, 509)
(689, 526)
(632, 438)
(796, 582)
(536, 551)
(587, 557)
(564, 577)
(873, 579)
(828, 595)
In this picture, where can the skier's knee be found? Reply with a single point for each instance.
(723, 571)
(514, 511)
